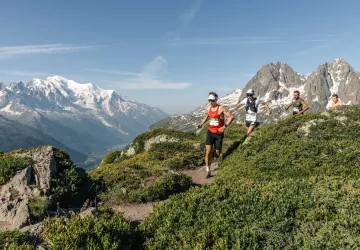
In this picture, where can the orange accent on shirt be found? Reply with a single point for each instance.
(215, 115)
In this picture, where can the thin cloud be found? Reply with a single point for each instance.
(231, 41)
(147, 84)
(311, 50)
(188, 15)
(11, 51)
(224, 41)
(23, 73)
(114, 72)
(147, 78)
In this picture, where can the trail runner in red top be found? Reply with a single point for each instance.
(215, 134)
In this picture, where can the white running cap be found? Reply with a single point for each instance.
(250, 91)
(212, 97)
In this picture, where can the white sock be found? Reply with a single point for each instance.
(207, 169)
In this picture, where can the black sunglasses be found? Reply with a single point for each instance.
(249, 94)
(212, 100)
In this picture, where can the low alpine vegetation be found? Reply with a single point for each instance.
(293, 185)
(106, 231)
(10, 164)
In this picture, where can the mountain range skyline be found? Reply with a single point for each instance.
(157, 52)
(83, 117)
(275, 84)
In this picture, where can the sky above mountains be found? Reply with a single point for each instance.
(170, 54)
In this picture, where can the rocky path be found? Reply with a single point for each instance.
(197, 175)
(136, 211)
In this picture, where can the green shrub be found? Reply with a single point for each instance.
(165, 150)
(162, 188)
(10, 164)
(15, 240)
(293, 214)
(71, 185)
(113, 157)
(177, 155)
(107, 231)
(155, 189)
(37, 207)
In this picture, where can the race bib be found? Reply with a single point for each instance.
(214, 122)
(251, 117)
(296, 110)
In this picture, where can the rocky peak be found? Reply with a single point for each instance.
(273, 81)
(16, 86)
(336, 77)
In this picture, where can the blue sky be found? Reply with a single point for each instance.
(170, 54)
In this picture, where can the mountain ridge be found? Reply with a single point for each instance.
(275, 83)
(84, 117)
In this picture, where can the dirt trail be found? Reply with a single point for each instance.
(136, 211)
(197, 175)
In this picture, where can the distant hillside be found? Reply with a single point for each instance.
(14, 135)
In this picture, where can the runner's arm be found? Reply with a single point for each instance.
(288, 106)
(203, 121)
(267, 107)
(229, 115)
(305, 107)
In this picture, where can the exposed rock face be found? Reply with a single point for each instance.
(157, 139)
(36, 229)
(335, 77)
(32, 182)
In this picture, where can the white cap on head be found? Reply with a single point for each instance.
(250, 91)
(212, 97)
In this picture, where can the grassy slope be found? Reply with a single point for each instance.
(283, 190)
(145, 176)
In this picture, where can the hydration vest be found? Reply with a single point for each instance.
(297, 104)
(250, 105)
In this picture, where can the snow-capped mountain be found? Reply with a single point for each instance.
(275, 84)
(81, 116)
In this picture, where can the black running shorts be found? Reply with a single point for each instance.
(212, 138)
(248, 124)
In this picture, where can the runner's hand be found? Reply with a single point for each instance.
(221, 130)
(238, 105)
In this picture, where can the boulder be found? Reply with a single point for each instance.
(30, 183)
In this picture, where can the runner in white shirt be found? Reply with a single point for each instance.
(251, 106)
